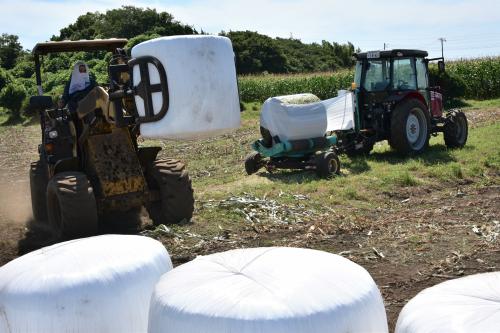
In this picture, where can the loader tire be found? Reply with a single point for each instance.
(410, 127)
(71, 206)
(171, 179)
(38, 187)
(455, 130)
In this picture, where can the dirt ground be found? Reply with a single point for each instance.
(419, 237)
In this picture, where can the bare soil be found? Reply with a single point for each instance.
(419, 237)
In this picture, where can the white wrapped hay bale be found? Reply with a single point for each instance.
(305, 121)
(99, 284)
(278, 290)
(202, 85)
(466, 305)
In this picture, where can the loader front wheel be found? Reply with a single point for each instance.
(71, 206)
(171, 179)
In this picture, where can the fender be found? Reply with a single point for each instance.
(402, 96)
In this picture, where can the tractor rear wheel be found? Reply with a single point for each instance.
(171, 179)
(455, 130)
(410, 127)
(327, 164)
(38, 187)
(253, 162)
(71, 206)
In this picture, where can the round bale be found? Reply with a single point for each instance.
(467, 305)
(99, 284)
(278, 290)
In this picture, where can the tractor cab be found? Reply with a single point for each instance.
(386, 77)
(394, 102)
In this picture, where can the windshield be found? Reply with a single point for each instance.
(377, 77)
(404, 74)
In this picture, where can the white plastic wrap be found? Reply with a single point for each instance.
(267, 290)
(203, 90)
(466, 305)
(293, 122)
(100, 284)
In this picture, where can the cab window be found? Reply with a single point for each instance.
(377, 77)
(421, 73)
(357, 73)
(404, 77)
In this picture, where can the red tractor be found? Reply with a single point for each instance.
(394, 102)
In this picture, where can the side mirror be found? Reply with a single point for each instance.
(441, 66)
(41, 102)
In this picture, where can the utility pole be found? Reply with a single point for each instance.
(442, 40)
(385, 45)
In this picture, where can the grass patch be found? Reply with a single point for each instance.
(488, 103)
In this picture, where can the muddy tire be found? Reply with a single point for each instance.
(253, 162)
(38, 187)
(456, 130)
(171, 179)
(327, 164)
(410, 127)
(71, 206)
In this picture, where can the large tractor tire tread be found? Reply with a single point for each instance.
(400, 137)
(71, 206)
(38, 187)
(171, 178)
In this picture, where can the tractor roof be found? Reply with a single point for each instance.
(391, 54)
(79, 45)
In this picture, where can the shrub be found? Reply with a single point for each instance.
(12, 97)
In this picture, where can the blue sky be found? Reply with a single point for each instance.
(472, 28)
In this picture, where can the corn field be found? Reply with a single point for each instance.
(469, 78)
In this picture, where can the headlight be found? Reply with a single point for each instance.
(53, 134)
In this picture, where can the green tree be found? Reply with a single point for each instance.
(5, 78)
(139, 39)
(256, 53)
(11, 98)
(10, 49)
(85, 27)
(124, 22)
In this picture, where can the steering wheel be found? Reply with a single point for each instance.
(403, 84)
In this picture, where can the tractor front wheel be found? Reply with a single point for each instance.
(71, 206)
(455, 130)
(171, 179)
(327, 164)
(410, 127)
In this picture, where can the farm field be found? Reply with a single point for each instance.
(411, 223)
